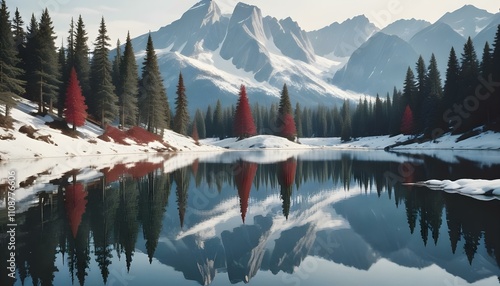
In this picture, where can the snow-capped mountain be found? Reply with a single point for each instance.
(342, 39)
(405, 29)
(216, 54)
(377, 66)
(486, 35)
(437, 39)
(468, 21)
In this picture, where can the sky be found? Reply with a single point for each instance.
(139, 17)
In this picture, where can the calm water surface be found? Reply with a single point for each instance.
(319, 218)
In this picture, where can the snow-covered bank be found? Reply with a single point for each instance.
(36, 139)
(479, 189)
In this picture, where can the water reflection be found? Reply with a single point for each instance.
(233, 219)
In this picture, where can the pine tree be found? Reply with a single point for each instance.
(420, 95)
(298, 120)
(407, 122)
(410, 91)
(396, 112)
(129, 87)
(47, 71)
(181, 118)
(153, 98)
(65, 78)
(116, 72)
(451, 86)
(244, 125)
(10, 84)
(19, 37)
(346, 132)
(218, 123)
(75, 109)
(199, 121)
(103, 103)
(209, 119)
(496, 75)
(378, 113)
(486, 66)
(81, 57)
(430, 109)
(286, 127)
(469, 72)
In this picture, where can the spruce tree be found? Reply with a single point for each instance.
(116, 72)
(218, 123)
(129, 90)
(19, 36)
(298, 120)
(451, 87)
(421, 94)
(495, 73)
(75, 109)
(284, 125)
(469, 72)
(65, 79)
(103, 102)
(430, 109)
(48, 73)
(209, 119)
(243, 124)
(31, 60)
(81, 57)
(10, 84)
(181, 118)
(379, 118)
(410, 91)
(153, 98)
(346, 132)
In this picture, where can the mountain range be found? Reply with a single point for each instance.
(216, 53)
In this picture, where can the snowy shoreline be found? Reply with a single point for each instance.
(47, 142)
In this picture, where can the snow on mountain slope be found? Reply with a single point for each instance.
(262, 53)
(405, 29)
(467, 21)
(342, 39)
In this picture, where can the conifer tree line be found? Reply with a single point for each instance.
(117, 92)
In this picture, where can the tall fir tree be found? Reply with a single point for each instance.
(486, 109)
(129, 91)
(181, 118)
(298, 119)
(451, 88)
(116, 72)
(218, 122)
(346, 132)
(61, 59)
(243, 124)
(495, 74)
(209, 120)
(75, 111)
(153, 97)
(410, 91)
(19, 35)
(421, 94)
(286, 127)
(81, 57)
(103, 103)
(430, 110)
(11, 86)
(47, 71)
(469, 72)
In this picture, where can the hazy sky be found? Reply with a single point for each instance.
(142, 16)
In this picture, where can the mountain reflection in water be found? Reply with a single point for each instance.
(227, 220)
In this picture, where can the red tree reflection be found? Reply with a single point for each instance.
(75, 202)
(244, 175)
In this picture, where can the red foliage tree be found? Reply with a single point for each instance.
(75, 109)
(194, 134)
(243, 126)
(288, 129)
(407, 125)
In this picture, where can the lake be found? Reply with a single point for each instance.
(263, 218)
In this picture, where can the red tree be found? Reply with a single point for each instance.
(407, 125)
(244, 125)
(75, 110)
(288, 129)
(194, 134)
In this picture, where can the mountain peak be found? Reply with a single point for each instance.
(467, 21)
